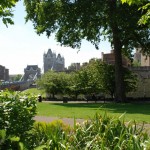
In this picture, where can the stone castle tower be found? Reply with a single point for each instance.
(53, 61)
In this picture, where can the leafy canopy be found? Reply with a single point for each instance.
(145, 19)
(53, 82)
(6, 12)
(73, 21)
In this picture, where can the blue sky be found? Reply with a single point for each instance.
(21, 46)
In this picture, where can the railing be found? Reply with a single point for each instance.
(20, 85)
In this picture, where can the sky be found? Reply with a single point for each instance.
(21, 46)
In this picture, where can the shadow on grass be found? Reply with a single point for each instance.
(130, 108)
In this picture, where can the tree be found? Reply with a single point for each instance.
(74, 20)
(107, 78)
(102, 78)
(16, 77)
(53, 82)
(145, 19)
(75, 84)
(94, 85)
(6, 11)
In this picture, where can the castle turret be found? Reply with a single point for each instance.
(53, 62)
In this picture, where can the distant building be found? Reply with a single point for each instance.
(142, 59)
(84, 64)
(31, 72)
(53, 62)
(74, 67)
(4, 73)
(109, 58)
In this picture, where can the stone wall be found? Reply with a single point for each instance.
(143, 85)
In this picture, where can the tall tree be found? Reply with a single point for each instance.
(6, 13)
(74, 20)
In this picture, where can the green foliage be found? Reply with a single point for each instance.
(93, 84)
(48, 135)
(100, 132)
(10, 142)
(76, 20)
(106, 74)
(53, 82)
(136, 63)
(6, 11)
(75, 86)
(16, 116)
(16, 77)
(130, 80)
(108, 133)
(36, 91)
(132, 1)
(101, 78)
(145, 19)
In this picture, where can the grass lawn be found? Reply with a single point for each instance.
(35, 91)
(139, 112)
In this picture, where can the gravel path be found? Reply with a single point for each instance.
(68, 121)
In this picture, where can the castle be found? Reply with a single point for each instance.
(109, 58)
(141, 59)
(53, 61)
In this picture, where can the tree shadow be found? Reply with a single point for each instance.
(129, 108)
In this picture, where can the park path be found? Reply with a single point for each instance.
(68, 121)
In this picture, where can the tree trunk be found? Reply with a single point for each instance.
(119, 80)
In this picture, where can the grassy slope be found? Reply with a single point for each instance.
(138, 112)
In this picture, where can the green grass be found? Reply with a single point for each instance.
(35, 91)
(139, 112)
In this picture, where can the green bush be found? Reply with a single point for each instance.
(49, 135)
(101, 132)
(16, 115)
(108, 133)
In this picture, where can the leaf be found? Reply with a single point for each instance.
(15, 139)
(40, 147)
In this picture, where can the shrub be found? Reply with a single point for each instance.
(16, 114)
(48, 135)
(108, 133)
(101, 132)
